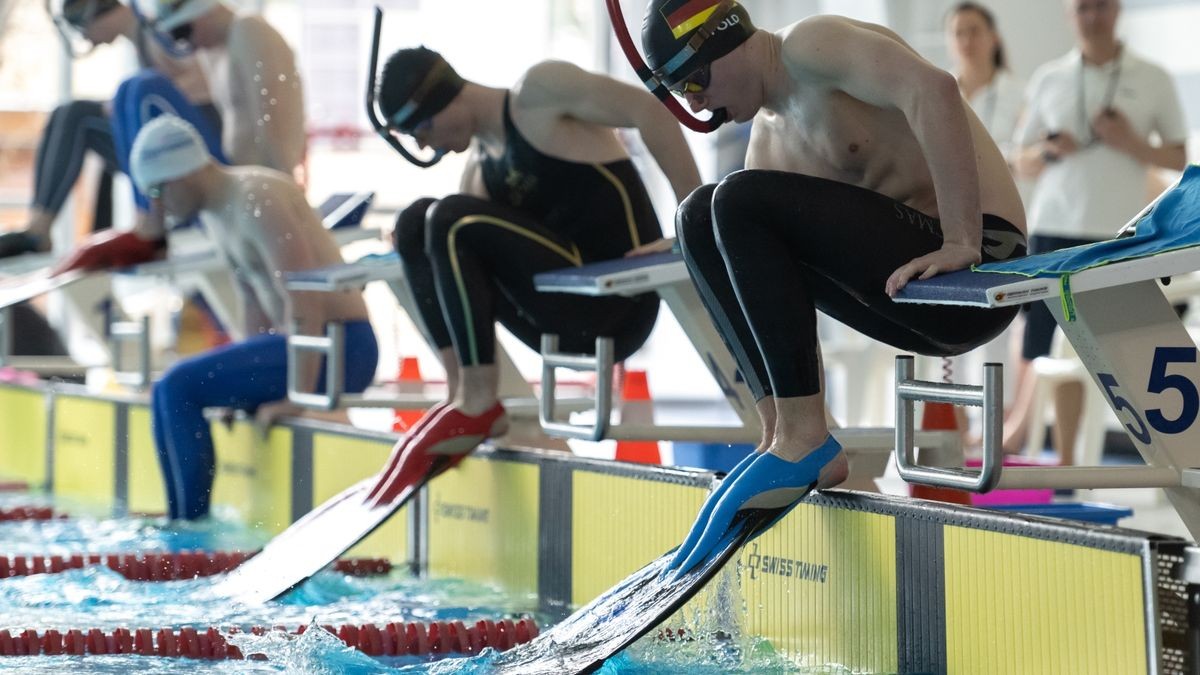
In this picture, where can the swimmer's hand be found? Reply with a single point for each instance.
(109, 249)
(269, 413)
(949, 258)
(659, 246)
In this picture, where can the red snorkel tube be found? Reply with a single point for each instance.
(652, 81)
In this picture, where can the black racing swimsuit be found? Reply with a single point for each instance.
(769, 248)
(471, 261)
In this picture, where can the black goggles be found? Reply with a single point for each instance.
(182, 33)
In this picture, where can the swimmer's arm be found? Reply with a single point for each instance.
(257, 50)
(255, 320)
(589, 97)
(471, 182)
(878, 70)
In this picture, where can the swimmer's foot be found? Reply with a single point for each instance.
(771, 483)
(706, 510)
(437, 442)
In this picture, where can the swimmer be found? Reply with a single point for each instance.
(261, 223)
(549, 184)
(80, 126)
(865, 169)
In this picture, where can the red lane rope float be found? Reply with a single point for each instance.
(393, 639)
(14, 486)
(164, 566)
(29, 513)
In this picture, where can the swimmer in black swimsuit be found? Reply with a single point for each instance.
(549, 184)
(866, 169)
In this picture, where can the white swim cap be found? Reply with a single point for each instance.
(172, 14)
(167, 148)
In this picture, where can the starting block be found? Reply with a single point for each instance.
(667, 275)
(1134, 347)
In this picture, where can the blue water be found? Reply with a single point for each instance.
(97, 597)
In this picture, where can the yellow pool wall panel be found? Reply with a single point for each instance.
(1017, 604)
(340, 461)
(835, 572)
(619, 523)
(254, 475)
(85, 461)
(23, 435)
(483, 523)
(146, 490)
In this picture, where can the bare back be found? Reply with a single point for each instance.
(266, 228)
(821, 130)
(255, 84)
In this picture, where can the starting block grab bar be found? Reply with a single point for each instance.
(601, 364)
(990, 397)
(331, 347)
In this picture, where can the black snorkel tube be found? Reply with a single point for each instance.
(653, 82)
(373, 111)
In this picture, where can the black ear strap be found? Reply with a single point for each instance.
(372, 110)
(652, 80)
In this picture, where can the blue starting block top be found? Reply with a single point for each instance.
(978, 289)
(345, 209)
(382, 267)
(997, 289)
(623, 276)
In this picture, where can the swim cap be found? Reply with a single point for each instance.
(166, 149)
(680, 36)
(172, 14)
(79, 13)
(417, 84)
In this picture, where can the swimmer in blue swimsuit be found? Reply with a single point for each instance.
(260, 221)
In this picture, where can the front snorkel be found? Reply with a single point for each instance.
(652, 80)
(373, 112)
(176, 48)
(65, 31)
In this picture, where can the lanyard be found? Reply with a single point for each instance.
(1113, 78)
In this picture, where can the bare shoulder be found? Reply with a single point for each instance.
(816, 43)
(252, 32)
(545, 82)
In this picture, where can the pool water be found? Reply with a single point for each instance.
(97, 597)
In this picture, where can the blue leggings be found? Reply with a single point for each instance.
(243, 375)
(145, 96)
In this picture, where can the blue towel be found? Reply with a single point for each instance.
(1174, 223)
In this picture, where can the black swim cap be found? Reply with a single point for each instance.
(79, 13)
(417, 84)
(680, 36)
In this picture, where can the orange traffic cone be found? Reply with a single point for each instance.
(939, 417)
(636, 407)
(410, 382)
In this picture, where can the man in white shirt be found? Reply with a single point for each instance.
(1087, 139)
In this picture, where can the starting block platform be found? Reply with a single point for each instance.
(998, 289)
(624, 276)
(349, 276)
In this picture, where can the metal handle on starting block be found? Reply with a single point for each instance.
(601, 364)
(990, 397)
(331, 346)
(138, 332)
